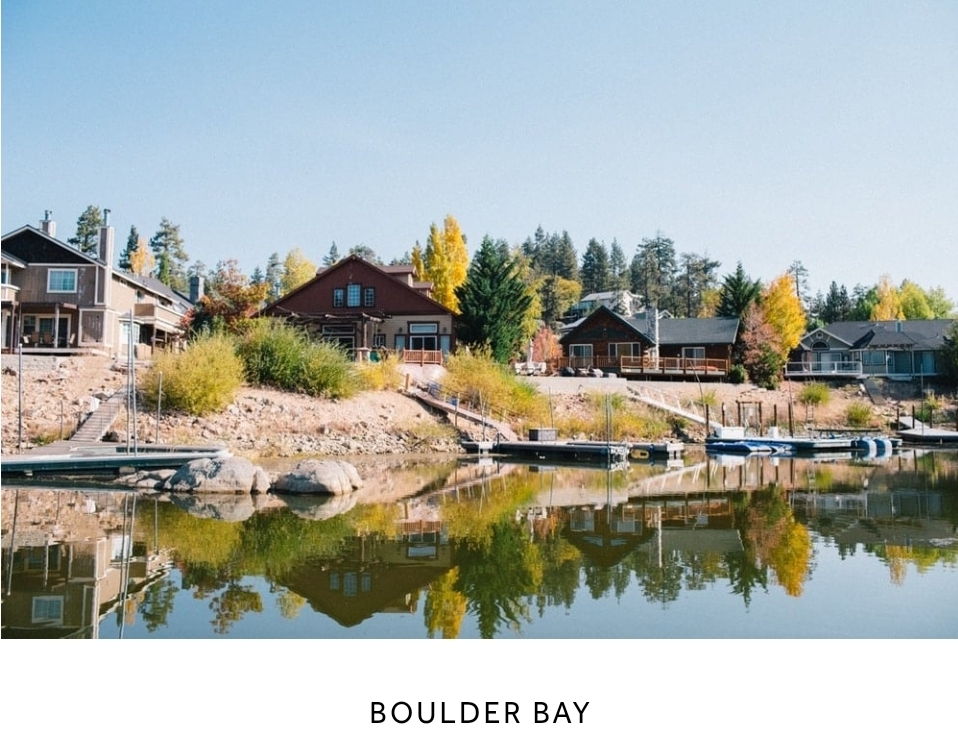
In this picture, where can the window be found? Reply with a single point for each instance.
(423, 328)
(47, 609)
(369, 297)
(625, 349)
(62, 280)
(339, 297)
(693, 352)
(379, 340)
(580, 350)
(352, 295)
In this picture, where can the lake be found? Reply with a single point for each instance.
(703, 547)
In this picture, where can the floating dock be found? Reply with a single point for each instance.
(102, 459)
(578, 451)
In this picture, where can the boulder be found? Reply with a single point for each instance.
(218, 475)
(233, 507)
(319, 508)
(319, 477)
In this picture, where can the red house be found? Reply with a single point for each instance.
(364, 307)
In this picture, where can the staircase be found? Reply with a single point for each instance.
(670, 403)
(99, 423)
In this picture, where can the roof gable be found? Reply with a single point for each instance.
(672, 331)
(392, 293)
(33, 246)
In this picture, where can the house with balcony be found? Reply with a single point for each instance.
(621, 301)
(59, 300)
(650, 345)
(367, 309)
(896, 349)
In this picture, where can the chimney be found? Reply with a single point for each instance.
(48, 226)
(197, 288)
(105, 270)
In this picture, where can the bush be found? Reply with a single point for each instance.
(478, 380)
(858, 414)
(737, 374)
(200, 380)
(283, 356)
(379, 375)
(814, 394)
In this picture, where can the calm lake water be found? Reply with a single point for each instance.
(703, 547)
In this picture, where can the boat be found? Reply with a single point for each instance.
(734, 440)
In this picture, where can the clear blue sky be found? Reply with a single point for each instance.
(765, 132)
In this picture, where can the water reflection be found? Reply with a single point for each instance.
(492, 547)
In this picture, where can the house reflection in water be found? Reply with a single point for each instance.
(68, 560)
(375, 575)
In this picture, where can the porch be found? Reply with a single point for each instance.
(650, 366)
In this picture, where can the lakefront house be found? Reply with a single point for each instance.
(59, 300)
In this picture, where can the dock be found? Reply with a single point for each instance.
(68, 459)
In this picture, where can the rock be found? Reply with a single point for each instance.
(229, 508)
(319, 508)
(320, 477)
(218, 475)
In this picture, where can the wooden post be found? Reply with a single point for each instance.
(791, 421)
(707, 428)
(760, 418)
(724, 416)
(775, 415)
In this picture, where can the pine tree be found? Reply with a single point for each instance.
(171, 256)
(653, 272)
(132, 242)
(493, 302)
(594, 273)
(366, 253)
(87, 238)
(330, 259)
(618, 267)
(274, 277)
(737, 293)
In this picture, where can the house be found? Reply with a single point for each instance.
(897, 349)
(621, 301)
(56, 299)
(647, 345)
(366, 308)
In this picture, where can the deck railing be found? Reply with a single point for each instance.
(638, 365)
(421, 358)
(849, 369)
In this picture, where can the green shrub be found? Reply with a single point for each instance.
(858, 414)
(200, 380)
(814, 394)
(737, 374)
(285, 357)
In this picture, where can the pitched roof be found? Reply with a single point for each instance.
(910, 334)
(672, 331)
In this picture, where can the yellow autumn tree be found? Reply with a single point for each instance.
(297, 270)
(783, 312)
(142, 260)
(888, 306)
(446, 262)
(914, 302)
(418, 267)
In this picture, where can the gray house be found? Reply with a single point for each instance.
(897, 349)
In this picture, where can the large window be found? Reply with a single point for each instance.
(62, 280)
(693, 352)
(580, 350)
(625, 349)
(352, 295)
(422, 337)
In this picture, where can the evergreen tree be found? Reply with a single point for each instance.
(653, 272)
(330, 259)
(87, 238)
(864, 300)
(493, 302)
(697, 277)
(737, 293)
(837, 305)
(618, 267)
(132, 242)
(366, 253)
(273, 277)
(595, 273)
(171, 256)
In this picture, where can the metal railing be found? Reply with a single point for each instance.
(851, 369)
